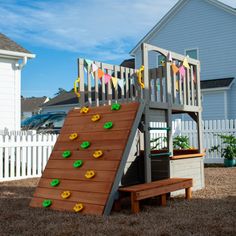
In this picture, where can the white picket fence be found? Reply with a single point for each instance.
(210, 130)
(24, 156)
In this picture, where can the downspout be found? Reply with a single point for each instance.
(24, 62)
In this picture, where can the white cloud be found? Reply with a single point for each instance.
(82, 26)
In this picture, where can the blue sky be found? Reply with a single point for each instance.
(59, 32)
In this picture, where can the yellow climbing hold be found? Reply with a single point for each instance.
(76, 88)
(65, 194)
(73, 136)
(89, 174)
(97, 154)
(139, 74)
(84, 110)
(78, 207)
(96, 117)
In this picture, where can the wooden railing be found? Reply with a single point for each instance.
(162, 86)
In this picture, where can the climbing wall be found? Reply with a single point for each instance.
(84, 162)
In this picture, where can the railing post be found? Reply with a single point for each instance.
(147, 159)
(81, 84)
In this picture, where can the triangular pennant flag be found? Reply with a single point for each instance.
(175, 69)
(100, 73)
(121, 82)
(107, 78)
(185, 63)
(114, 81)
(88, 62)
(94, 67)
(182, 71)
(169, 57)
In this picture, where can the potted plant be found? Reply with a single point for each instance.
(227, 149)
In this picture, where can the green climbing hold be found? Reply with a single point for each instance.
(108, 125)
(55, 182)
(115, 107)
(85, 145)
(47, 203)
(66, 154)
(78, 163)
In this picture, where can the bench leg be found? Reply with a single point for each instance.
(188, 193)
(134, 204)
(163, 199)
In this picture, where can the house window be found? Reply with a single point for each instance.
(193, 53)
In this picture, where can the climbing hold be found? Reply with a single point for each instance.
(78, 163)
(66, 154)
(85, 145)
(78, 207)
(65, 194)
(96, 117)
(84, 110)
(47, 203)
(73, 136)
(97, 154)
(55, 182)
(89, 174)
(108, 125)
(115, 107)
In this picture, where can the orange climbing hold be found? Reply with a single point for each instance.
(89, 174)
(96, 117)
(78, 207)
(84, 110)
(65, 194)
(97, 154)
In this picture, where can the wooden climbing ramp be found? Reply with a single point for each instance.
(67, 183)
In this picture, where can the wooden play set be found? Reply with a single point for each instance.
(103, 150)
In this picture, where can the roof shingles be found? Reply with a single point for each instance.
(9, 45)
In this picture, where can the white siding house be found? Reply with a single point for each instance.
(204, 30)
(12, 59)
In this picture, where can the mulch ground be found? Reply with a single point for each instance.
(212, 211)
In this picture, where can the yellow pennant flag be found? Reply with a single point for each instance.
(185, 63)
(175, 69)
(114, 81)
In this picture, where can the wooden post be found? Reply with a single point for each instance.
(81, 86)
(134, 204)
(188, 193)
(163, 200)
(147, 160)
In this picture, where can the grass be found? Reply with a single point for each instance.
(212, 211)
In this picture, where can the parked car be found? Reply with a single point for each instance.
(45, 123)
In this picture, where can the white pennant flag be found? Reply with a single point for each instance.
(121, 82)
(94, 67)
(169, 57)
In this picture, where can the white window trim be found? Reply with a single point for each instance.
(189, 49)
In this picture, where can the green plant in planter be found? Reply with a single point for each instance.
(227, 149)
(181, 142)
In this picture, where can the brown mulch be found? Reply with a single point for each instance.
(212, 211)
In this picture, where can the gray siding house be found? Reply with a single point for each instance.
(204, 30)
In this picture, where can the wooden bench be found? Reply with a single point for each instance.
(157, 188)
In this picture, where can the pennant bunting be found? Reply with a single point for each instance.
(175, 69)
(100, 73)
(94, 67)
(107, 78)
(182, 71)
(114, 82)
(121, 83)
(185, 63)
(169, 57)
(158, 87)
